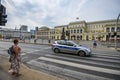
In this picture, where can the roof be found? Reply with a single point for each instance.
(76, 22)
(103, 21)
(61, 26)
(44, 28)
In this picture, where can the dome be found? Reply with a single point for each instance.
(44, 28)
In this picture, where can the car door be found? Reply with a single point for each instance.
(71, 48)
(62, 46)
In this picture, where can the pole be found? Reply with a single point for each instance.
(116, 31)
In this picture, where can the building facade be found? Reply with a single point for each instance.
(43, 33)
(24, 28)
(82, 30)
(14, 33)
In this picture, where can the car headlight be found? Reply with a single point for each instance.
(88, 50)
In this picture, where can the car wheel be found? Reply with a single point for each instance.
(81, 53)
(56, 50)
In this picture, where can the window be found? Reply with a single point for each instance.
(118, 36)
(78, 31)
(107, 29)
(112, 29)
(74, 31)
(70, 44)
(61, 42)
(118, 29)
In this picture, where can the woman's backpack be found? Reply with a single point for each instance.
(11, 51)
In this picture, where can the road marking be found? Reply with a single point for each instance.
(33, 51)
(47, 47)
(107, 60)
(24, 57)
(114, 55)
(108, 57)
(66, 71)
(105, 70)
(82, 60)
(38, 50)
(22, 54)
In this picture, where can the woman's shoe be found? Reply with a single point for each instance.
(17, 74)
(13, 73)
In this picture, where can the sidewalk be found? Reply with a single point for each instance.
(27, 74)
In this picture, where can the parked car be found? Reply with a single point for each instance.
(67, 46)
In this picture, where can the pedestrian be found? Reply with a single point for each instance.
(94, 44)
(35, 41)
(15, 59)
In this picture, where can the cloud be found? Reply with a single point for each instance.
(18, 2)
(42, 12)
(68, 12)
(10, 8)
(57, 12)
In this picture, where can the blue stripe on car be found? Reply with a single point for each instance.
(65, 47)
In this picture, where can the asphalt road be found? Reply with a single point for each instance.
(103, 65)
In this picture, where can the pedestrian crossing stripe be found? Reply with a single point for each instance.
(68, 72)
(108, 54)
(104, 70)
(108, 57)
(33, 51)
(83, 60)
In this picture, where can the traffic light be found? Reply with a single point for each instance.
(3, 15)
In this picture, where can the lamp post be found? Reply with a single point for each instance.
(109, 35)
(116, 31)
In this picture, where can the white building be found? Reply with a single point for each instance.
(14, 33)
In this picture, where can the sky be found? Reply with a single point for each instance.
(51, 13)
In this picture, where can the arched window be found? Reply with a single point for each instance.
(80, 37)
(74, 31)
(74, 37)
(112, 29)
(80, 30)
(77, 30)
(107, 29)
(118, 29)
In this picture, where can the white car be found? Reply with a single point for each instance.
(70, 47)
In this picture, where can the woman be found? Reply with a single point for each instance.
(15, 59)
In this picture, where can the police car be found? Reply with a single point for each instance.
(70, 47)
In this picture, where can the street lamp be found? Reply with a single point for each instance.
(115, 34)
(109, 35)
